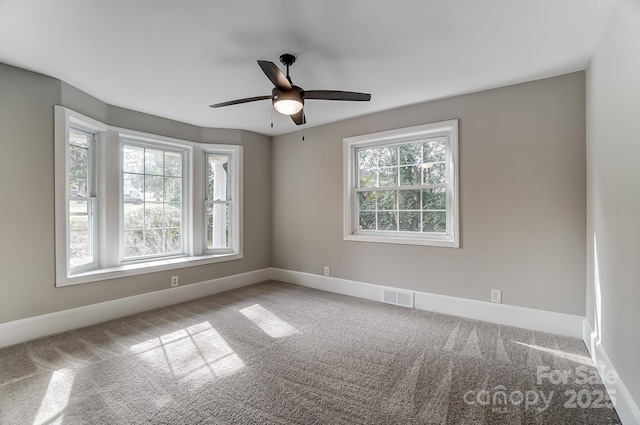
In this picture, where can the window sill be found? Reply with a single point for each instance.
(151, 266)
(443, 241)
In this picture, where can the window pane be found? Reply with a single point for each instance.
(132, 188)
(434, 199)
(133, 159)
(153, 243)
(172, 189)
(153, 188)
(409, 221)
(79, 138)
(410, 176)
(367, 158)
(218, 177)
(172, 215)
(153, 162)
(367, 220)
(435, 174)
(367, 200)
(411, 154)
(387, 200)
(78, 171)
(388, 156)
(80, 229)
(173, 240)
(133, 243)
(173, 164)
(388, 177)
(387, 220)
(133, 216)
(409, 199)
(434, 222)
(153, 215)
(217, 226)
(435, 150)
(367, 178)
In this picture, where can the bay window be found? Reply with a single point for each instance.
(129, 202)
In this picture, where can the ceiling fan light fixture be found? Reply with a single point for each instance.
(287, 106)
(287, 98)
(288, 102)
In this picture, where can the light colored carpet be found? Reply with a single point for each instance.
(283, 354)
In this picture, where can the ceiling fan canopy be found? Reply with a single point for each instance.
(287, 98)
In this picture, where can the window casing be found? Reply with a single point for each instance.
(401, 186)
(130, 203)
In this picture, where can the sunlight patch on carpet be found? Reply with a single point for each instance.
(562, 354)
(196, 350)
(56, 398)
(271, 324)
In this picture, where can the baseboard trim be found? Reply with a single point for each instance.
(626, 407)
(30, 328)
(528, 318)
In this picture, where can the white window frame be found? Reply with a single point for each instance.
(64, 123)
(233, 152)
(185, 152)
(108, 166)
(351, 232)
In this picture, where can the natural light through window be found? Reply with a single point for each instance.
(596, 335)
(197, 351)
(271, 324)
(558, 353)
(56, 398)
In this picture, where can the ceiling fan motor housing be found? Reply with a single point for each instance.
(296, 94)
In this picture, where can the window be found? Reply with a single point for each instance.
(218, 201)
(81, 199)
(152, 213)
(129, 202)
(401, 186)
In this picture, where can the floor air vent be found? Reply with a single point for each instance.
(403, 298)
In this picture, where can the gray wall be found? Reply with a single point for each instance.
(27, 215)
(613, 192)
(522, 199)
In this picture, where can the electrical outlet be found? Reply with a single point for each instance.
(326, 270)
(174, 281)
(496, 296)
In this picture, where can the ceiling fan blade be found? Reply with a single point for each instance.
(299, 117)
(239, 101)
(275, 75)
(337, 95)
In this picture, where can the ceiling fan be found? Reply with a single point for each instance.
(287, 98)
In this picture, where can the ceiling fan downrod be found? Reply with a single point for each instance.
(287, 60)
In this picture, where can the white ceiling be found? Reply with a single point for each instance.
(174, 58)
